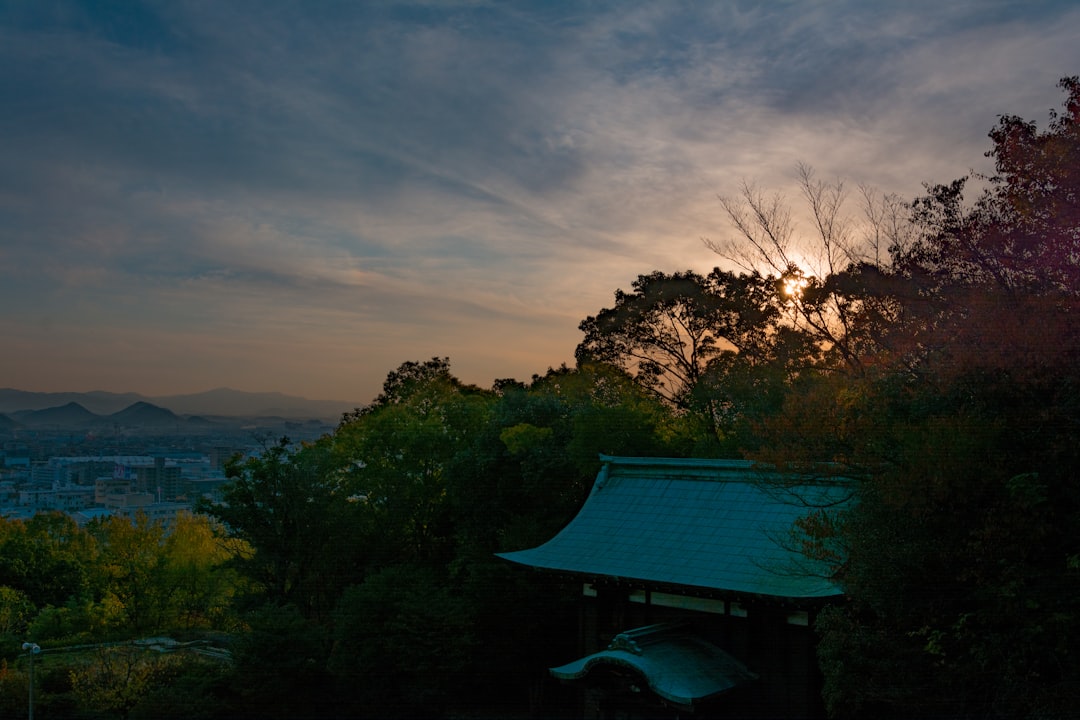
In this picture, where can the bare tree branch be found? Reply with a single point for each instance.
(763, 227)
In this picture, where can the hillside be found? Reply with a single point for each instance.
(143, 414)
(98, 402)
(221, 402)
(70, 415)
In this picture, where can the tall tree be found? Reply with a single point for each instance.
(394, 457)
(131, 565)
(675, 331)
(198, 585)
(662, 332)
(961, 562)
(290, 508)
(47, 557)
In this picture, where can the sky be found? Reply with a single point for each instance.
(300, 196)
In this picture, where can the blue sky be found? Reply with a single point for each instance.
(299, 196)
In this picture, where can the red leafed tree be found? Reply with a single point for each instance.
(962, 559)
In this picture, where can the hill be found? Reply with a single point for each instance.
(98, 402)
(143, 414)
(221, 402)
(70, 415)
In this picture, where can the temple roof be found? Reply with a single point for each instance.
(709, 525)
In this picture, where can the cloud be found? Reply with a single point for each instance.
(323, 190)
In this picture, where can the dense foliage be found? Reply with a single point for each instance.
(963, 428)
(96, 588)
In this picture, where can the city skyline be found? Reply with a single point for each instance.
(297, 197)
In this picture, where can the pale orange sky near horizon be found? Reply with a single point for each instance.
(300, 200)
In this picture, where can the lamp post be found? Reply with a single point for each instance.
(33, 649)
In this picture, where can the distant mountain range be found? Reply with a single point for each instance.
(74, 415)
(133, 408)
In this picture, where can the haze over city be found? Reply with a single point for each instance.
(298, 197)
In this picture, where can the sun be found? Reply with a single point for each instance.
(794, 285)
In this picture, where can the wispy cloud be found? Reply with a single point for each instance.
(300, 196)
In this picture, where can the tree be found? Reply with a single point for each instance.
(131, 565)
(676, 331)
(47, 557)
(961, 567)
(190, 687)
(404, 642)
(394, 458)
(1021, 234)
(118, 679)
(13, 686)
(662, 333)
(197, 583)
(821, 280)
(407, 380)
(289, 508)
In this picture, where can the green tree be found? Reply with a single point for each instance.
(131, 564)
(406, 381)
(16, 610)
(289, 508)
(404, 642)
(395, 456)
(13, 684)
(47, 557)
(190, 687)
(197, 582)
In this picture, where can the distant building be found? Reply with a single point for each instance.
(86, 515)
(11, 461)
(221, 454)
(95, 486)
(79, 470)
(58, 471)
(108, 490)
(158, 476)
(74, 497)
(37, 499)
(129, 500)
(164, 513)
(206, 487)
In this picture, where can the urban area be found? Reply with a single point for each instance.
(143, 458)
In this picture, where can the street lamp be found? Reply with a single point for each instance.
(34, 649)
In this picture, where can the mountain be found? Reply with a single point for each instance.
(7, 423)
(70, 415)
(98, 402)
(143, 414)
(219, 402)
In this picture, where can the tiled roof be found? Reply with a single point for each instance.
(718, 525)
(678, 666)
